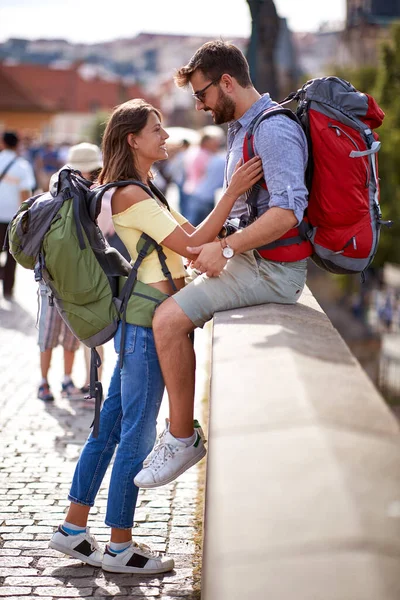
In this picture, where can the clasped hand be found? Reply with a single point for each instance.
(210, 259)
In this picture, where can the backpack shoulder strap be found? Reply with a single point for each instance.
(248, 142)
(98, 193)
(159, 194)
(8, 166)
(248, 150)
(127, 291)
(146, 245)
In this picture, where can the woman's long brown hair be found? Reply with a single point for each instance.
(118, 157)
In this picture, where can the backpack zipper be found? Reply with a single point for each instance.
(339, 131)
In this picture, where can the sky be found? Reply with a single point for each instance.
(91, 21)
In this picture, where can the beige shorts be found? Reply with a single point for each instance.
(246, 280)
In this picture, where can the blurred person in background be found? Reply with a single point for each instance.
(177, 170)
(201, 202)
(52, 332)
(30, 151)
(27, 149)
(162, 176)
(47, 163)
(63, 152)
(17, 182)
(196, 161)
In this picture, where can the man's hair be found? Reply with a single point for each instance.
(214, 59)
(10, 139)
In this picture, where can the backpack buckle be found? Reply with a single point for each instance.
(38, 271)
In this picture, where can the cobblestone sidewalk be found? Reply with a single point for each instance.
(39, 447)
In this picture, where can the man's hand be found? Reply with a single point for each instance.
(209, 259)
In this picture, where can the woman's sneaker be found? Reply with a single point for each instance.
(82, 546)
(170, 458)
(44, 393)
(136, 558)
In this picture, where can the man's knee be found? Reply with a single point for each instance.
(170, 320)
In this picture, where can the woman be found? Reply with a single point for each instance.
(133, 140)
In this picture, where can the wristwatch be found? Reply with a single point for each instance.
(227, 251)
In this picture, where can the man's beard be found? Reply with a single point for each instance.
(224, 110)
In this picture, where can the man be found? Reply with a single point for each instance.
(233, 273)
(17, 182)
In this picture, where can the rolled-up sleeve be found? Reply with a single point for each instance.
(282, 146)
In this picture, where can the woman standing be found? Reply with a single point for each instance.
(133, 140)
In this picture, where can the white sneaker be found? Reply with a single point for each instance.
(170, 458)
(159, 439)
(82, 546)
(137, 558)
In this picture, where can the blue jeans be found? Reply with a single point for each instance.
(128, 420)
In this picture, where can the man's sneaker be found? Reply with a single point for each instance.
(170, 458)
(137, 558)
(44, 393)
(82, 546)
(159, 439)
(68, 390)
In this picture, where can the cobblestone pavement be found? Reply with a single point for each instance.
(39, 447)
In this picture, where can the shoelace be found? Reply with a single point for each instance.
(150, 457)
(164, 451)
(93, 542)
(145, 549)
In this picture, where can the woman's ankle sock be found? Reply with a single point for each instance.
(120, 547)
(72, 529)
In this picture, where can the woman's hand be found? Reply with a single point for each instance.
(245, 176)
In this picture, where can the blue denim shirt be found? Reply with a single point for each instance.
(282, 147)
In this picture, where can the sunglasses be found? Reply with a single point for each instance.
(201, 94)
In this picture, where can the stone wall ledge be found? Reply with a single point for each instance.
(303, 467)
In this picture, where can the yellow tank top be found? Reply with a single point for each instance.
(151, 217)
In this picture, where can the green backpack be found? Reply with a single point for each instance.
(91, 284)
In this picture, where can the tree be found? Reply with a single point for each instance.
(261, 50)
(96, 128)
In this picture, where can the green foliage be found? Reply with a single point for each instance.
(364, 78)
(383, 82)
(389, 75)
(388, 95)
(96, 129)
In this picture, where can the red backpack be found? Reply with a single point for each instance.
(341, 226)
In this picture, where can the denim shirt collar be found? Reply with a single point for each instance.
(255, 109)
